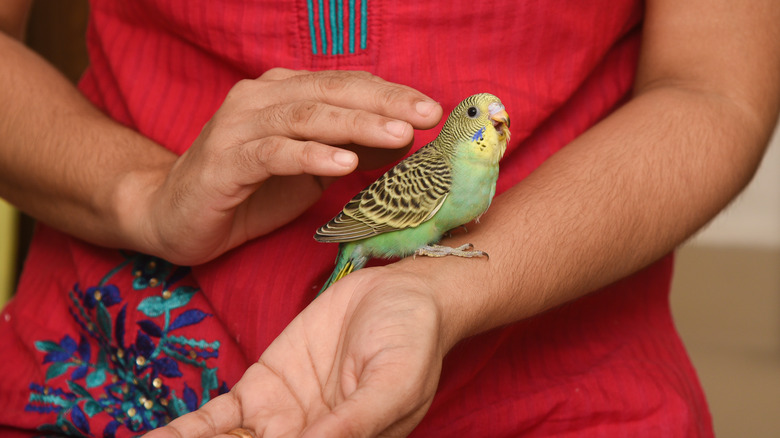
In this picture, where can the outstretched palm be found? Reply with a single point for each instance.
(363, 359)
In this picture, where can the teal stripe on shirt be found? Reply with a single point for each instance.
(334, 31)
(312, 32)
(363, 24)
(323, 35)
(340, 20)
(352, 26)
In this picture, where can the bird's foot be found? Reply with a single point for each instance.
(466, 250)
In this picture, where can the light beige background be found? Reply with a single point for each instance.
(726, 303)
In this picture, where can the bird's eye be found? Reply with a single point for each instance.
(472, 111)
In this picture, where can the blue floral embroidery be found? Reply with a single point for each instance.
(132, 377)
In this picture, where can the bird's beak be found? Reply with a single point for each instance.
(500, 119)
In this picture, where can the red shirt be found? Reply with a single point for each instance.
(100, 341)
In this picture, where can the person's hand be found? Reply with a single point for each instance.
(362, 360)
(259, 162)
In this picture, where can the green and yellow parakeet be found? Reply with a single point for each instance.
(447, 183)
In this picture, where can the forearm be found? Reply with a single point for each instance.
(64, 162)
(619, 197)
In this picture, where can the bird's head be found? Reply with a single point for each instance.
(482, 120)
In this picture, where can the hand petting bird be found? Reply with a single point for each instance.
(447, 183)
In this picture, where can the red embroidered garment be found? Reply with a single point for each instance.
(102, 342)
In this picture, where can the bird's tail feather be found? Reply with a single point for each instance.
(345, 264)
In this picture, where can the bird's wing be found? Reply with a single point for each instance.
(406, 196)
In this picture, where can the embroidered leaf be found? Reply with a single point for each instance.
(157, 305)
(188, 317)
(144, 345)
(96, 378)
(56, 356)
(151, 328)
(119, 327)
(146, 423)
(111, 295)
(167, 367)
(104, 320)
(208, 381)
(79, 420)
(92, 407)
(178, 405)
(152, 306)
(85, 352)
(180, 297)
(190, 398)
(48, 346)
(79, 373)
(68, 344)
(102, 363)
(57, 369)
(110, 430)
(79, 390)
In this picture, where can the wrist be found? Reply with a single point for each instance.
(448, 287)
(133, 208)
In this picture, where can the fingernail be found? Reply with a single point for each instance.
(344, 158)
(425, 108)
(396, 128)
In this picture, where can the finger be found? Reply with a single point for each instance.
(311, 120)
(359, 90)
(257, 161)
(347, 89)
(215, 417)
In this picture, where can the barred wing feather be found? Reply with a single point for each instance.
(406, 196)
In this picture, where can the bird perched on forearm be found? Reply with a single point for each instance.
(447, 183)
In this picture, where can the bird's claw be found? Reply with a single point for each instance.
(467, 250)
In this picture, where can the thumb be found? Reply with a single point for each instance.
(217, 416)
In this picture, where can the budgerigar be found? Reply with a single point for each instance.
(447, 183)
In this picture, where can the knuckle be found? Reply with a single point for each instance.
(275, 73)
(362, 74)
(355, 121)
(307, 154)
(302, 113)
(221, 121)
(388, 96)
(265, 153)
(329, 83)
(274, 116)
(241, 88)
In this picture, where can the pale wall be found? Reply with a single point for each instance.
(754, 218)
